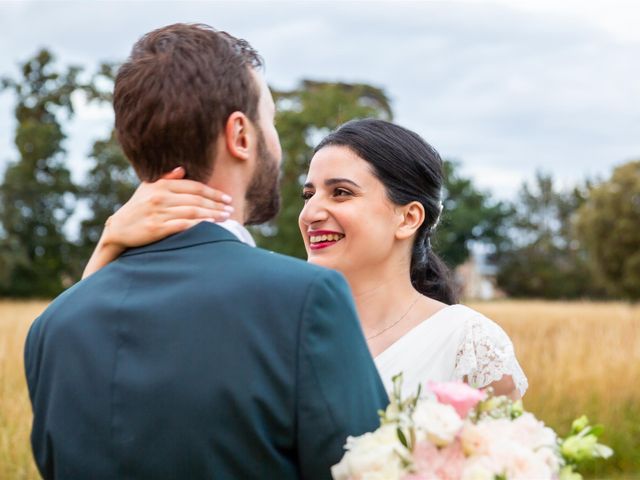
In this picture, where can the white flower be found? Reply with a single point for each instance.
(476, 439)
(550, 457)
(479, 468)
(372, 456)
(532, 433)
(520, 449)
(440, 423)
(522, 463)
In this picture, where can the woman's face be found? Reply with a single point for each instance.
(347, 223)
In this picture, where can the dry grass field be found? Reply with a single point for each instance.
(15, 410)
(579, 357)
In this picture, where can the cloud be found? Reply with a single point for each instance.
(507, 87)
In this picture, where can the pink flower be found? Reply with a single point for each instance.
(459, 395)
(426, 457)
(476, 439)
(432, 462)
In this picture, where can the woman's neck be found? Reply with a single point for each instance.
(379, 297)
(388, 305)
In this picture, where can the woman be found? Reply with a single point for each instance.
(372, 201)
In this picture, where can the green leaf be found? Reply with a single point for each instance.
(402, 438)
(597, 430)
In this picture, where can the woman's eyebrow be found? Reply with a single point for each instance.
(332, 181)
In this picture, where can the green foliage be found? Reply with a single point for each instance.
(37, 193)
(110, 183)
(621, 432)
(469, 215)
(609, 225)
(305, 115)
(111, 180)
(545, 259)
(534, 240)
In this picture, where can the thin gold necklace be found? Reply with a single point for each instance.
(394, 323)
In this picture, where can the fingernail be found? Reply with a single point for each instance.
(228, 208)
(226, 198)
(225, 214)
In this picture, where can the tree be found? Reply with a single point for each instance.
(37, 193)
(545, 259)
(111, 180)
(609, 226)
(305, 115)
(110, 183)
(469, 215)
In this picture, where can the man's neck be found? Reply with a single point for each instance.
(237, 192)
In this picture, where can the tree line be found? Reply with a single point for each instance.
(546, 243)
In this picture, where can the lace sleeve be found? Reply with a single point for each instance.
(486, 354)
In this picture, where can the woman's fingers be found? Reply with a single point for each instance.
(189, 200)
(164, 207)
(193, 212)
(175, 174)
(195, 188)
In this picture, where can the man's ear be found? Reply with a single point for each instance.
(238, 135)
(412, 216)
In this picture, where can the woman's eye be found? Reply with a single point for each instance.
(341, 192)
(306, 195)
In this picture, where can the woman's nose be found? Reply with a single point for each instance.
(313, 211)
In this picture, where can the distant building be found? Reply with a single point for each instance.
(476, 278)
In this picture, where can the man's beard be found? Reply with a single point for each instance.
(263, 193)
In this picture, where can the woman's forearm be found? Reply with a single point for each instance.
(155, 211)
(104, 253)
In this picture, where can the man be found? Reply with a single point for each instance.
(200, 356)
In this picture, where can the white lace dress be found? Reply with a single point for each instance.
(453, 343)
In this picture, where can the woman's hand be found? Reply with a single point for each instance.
(162, 208)
(506, 386)
(155, 211)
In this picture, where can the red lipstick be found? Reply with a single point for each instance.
(318, 245)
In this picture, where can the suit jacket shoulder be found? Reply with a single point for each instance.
(199, 357)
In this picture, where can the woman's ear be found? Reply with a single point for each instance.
(412, 216)
(238, 136)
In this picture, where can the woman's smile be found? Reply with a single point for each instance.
(319, 239)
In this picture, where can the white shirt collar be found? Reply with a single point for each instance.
(239, 231)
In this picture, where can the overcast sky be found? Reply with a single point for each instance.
(506, 87)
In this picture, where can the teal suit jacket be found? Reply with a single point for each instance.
(199, 357)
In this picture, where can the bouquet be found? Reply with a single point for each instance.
(459, 432)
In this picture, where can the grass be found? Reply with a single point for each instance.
(579, 358)
(15, 411)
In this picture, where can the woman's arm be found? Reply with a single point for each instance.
(505, 386)
(155, 211)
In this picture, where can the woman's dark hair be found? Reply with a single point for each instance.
(411, 170)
